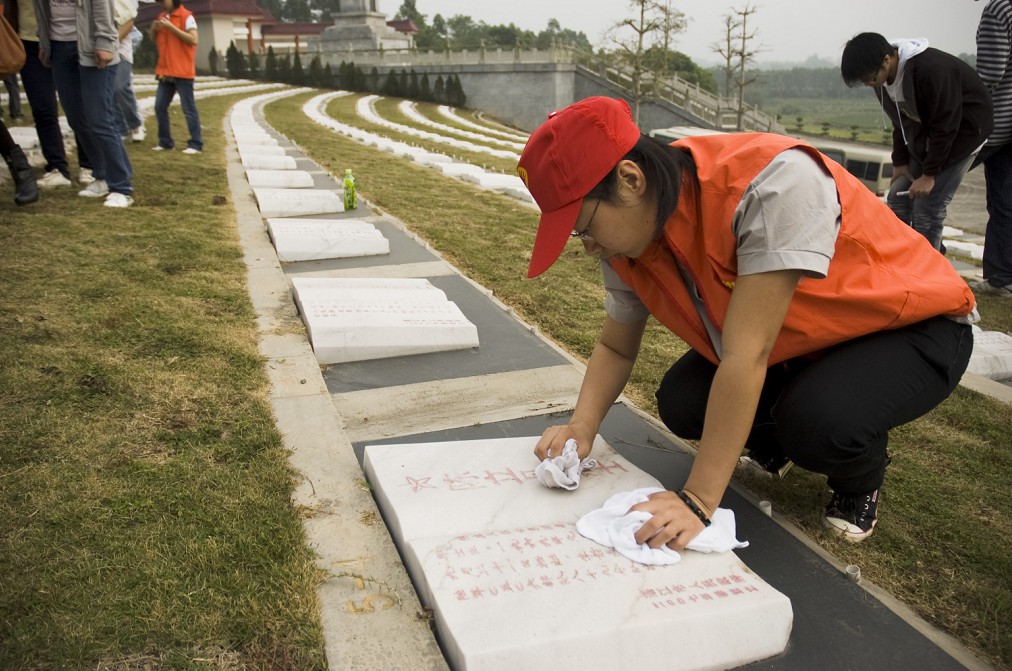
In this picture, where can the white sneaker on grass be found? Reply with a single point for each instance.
(191, 150)
(52, 179)
(159, 147)
(118, 200)
(85, 177)
(96, 189)
(138, 134)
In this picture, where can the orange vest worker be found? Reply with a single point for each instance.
(175, 57)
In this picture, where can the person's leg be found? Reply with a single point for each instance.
(928, 215)
(834, 417)
(189, 105)
(41, 93)
(119, 89)
(901, 206)
(117, 172)
(25, 189)
(67, 78)
(130, 112)
(13, 96)
(163, 97)
(998, 235)
(683, 394)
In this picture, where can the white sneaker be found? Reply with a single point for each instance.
(118, 200)
(138, 134)
(159, 147)
(96, 189)
(52, 179)
(191, 150)
(85, 177)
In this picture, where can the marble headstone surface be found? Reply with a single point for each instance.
(512, 584)
(356, 319)
(313, 239)
(280, 179)
(295, 202)
(992, 354)
(256, 161)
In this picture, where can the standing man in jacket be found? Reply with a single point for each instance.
(175, 34)
(994, 65)
(941, 116)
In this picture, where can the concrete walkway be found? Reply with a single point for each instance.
(371, 615)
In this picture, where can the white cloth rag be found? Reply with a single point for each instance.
(613, 526)
(563, 470)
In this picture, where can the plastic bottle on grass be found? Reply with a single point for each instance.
(350, 199)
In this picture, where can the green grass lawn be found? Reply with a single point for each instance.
(946, 513)
(145, 519)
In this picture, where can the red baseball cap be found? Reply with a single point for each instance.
(566, 157)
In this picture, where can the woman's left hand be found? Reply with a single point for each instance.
(672, 524)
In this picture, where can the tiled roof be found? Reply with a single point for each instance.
(403, 26)
(303, 28)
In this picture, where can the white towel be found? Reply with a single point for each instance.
(614, 526)
(563, 470)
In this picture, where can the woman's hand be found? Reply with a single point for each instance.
(672, 524)
(553, 440)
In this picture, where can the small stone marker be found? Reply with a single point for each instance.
(262, 150)
(992, 355)
(295, 202)
(265, 162)
(513, 585)
(313, 239)
(356, 319)
(281, 179)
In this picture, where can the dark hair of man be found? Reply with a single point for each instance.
(863, 56)
(663, 166)
(176, 3)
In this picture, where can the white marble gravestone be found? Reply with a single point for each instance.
(313, 239)
(295, 202)
(513, 585)
(252, 139)
(494, 181)
(459, 169)
(281, 179)
(262, 150)
(265, 162)
(356, 319)
(992, 354)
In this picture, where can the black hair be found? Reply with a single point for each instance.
(863, 56)
(663, 166)
(176, 3)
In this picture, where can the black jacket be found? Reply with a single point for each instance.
(946, 113)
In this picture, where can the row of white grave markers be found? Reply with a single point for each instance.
(452, 115)
(512, 585)
(347, 319)
(409, 108)
(492, 181)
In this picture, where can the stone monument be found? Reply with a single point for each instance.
(359, 26)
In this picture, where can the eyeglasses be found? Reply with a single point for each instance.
(870, 79)
(585, 233)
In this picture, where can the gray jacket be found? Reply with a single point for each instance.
(95, 30)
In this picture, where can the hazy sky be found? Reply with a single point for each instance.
(790, 30)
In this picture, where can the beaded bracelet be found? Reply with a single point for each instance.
(693, 507)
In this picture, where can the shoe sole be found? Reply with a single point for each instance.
(849, 532)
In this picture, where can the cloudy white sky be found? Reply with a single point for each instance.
(790, 30)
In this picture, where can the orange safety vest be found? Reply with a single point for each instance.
(883, 274)
(175, 57)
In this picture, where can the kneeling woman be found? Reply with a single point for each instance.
(817, 320)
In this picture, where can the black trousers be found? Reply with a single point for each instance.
(832, 415)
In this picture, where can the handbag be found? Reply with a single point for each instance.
(12, 51)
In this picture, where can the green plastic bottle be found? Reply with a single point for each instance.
(350, 199)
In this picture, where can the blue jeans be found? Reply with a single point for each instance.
(927, 215)
(127, 118)
(13, 95)
(92, 119)
(167, 89)
(998, 235)
(37, 81)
